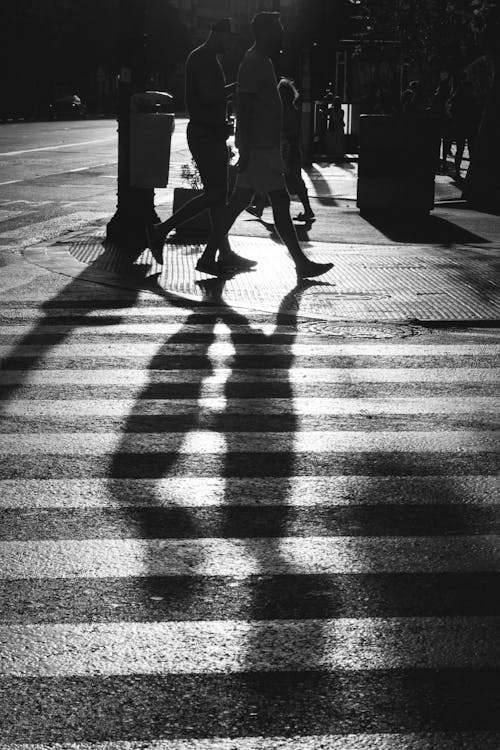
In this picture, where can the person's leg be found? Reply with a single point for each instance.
(259, 202)
(471, 140)
(280, 201)
(227, 256)
(460, 145)
(446, 149)
(298, 186)
(157, 234)
(187, 211)
(209, 153)
(292, 158)
(223, 222)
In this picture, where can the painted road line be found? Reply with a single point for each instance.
(222, 349)
(35, 408)
(363, 741)
(58, 147)
(201, 442)
(117, 376)
(32, 178)
(180, 492)
(226, 647)
(240, 558)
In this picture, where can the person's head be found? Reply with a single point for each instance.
(337, 103)
(287, 91)
(222, 36)
(268, 32)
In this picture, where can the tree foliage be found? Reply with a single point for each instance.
(444, 34)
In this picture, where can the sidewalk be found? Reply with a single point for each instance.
(443, 269)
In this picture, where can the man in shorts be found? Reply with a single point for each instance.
(206, 98)
(260, 167)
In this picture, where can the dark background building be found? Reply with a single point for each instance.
(50, 48)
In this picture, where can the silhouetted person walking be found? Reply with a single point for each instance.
(290, 147)
(291, 154)
(261, 169)
(206, 98)
(335, 136)
(465, 119)
(439, 109)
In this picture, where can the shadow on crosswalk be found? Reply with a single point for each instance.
(75, 295)
(211, 554)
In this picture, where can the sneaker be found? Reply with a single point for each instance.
(155, 242)
(305, 217)
(233, 260)
(212, 268)
(309, 269)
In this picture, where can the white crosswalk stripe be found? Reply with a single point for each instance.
(228, 646)
(237, 558)
(266, 578)
(175, 492)
(299, 406)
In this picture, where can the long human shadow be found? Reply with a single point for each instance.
(153, 518)
(72, 296)
(175, 382)
(247, 511)
(279, 592)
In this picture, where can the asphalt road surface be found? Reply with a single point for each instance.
(61, 175)
(229, 531)
(220, 532)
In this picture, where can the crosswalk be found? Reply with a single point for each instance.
(219, 532)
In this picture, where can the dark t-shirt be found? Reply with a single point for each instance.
(204, 73)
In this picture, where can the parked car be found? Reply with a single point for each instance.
(68, 106)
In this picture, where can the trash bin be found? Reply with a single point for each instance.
(151, 126)
(397, 164)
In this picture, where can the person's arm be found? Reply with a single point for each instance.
(244, 116)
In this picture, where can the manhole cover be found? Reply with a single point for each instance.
(371, 331)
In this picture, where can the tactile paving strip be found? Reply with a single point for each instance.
(367, 283)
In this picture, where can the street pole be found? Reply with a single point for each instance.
(135, 206)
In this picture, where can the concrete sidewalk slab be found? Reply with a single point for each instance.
(369, 283)
(447, 225)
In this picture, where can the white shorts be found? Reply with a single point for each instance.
(265, 171)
